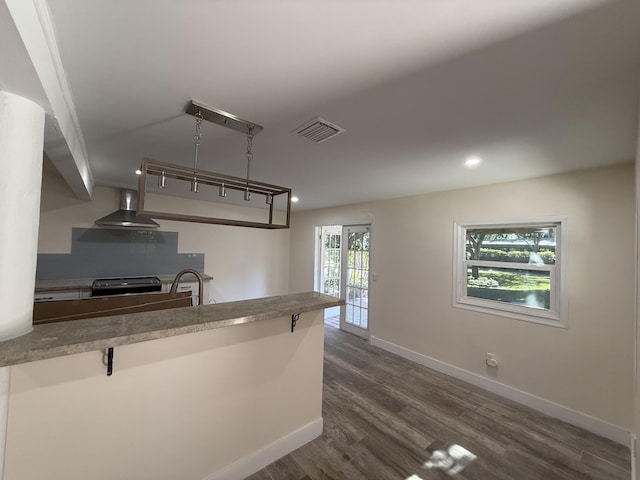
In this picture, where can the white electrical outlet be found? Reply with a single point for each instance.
(491, 360)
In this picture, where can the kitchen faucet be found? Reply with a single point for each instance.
(174, 285)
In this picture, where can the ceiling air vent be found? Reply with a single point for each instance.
(318, 130)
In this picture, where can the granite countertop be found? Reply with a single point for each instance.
(85, 283)
(78, 336)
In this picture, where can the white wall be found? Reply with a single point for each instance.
(214, 405)
(244, 262)
(587, 367)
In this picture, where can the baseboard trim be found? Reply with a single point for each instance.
(599, 427)
(634, 450)
(259, 459)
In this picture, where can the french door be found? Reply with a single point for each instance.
(329, 271)
(354, 284)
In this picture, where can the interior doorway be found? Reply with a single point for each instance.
(342, 270)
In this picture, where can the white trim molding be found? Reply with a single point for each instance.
(35, 26)
(5, 380)
(259, 459)
(595, 425)
(634, 453)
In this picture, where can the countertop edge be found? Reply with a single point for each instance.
(79, 336)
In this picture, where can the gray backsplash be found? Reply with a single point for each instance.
(110, 252)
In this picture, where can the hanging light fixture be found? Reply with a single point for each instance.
(247, 193)
(162, 180)
(197, 177)
(197, 141)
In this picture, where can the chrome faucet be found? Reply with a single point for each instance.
(174, 285)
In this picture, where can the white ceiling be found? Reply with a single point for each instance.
(534, 87)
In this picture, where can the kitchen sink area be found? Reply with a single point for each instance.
(113, 253)
(65, 310)
(117, 271)
(118, 296)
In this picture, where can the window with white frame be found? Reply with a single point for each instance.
(511, 269)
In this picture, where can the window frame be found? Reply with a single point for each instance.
(555, 316)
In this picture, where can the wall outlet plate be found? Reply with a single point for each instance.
(491, 360)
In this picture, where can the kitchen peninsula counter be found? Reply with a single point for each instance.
(186, 399)
(78, 336)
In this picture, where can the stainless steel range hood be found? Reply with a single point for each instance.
(126, 216)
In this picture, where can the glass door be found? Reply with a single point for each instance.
(354, 287)
(329, 269)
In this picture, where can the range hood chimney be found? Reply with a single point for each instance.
(126, 216)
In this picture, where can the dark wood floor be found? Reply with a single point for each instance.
(383, 416)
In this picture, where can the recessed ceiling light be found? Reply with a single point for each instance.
(294, 199)
(472, 162)
(138, 172)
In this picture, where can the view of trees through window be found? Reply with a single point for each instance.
(358, 257)
(358, 265)
(331, 236)
(344, 272)
(511, 264)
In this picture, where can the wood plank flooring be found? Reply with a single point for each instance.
(384, 415)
